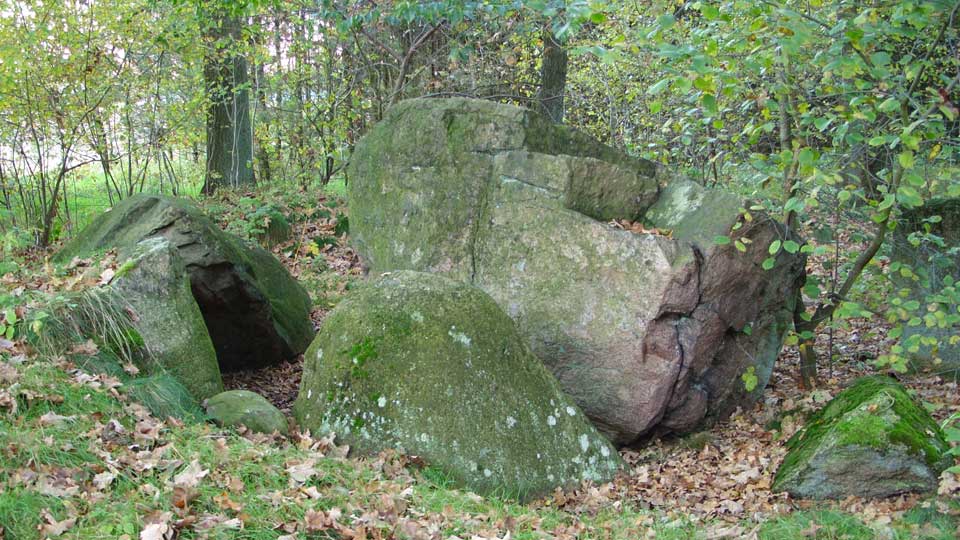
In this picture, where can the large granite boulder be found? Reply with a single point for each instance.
(646, 331)
(926, 247)
(255, 312)
(154, 284)
(872, 440)
(434, 368)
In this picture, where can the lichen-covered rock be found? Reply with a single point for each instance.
(932, 279)
(236, 407)
(255, 312)
(872, 440)
(154, 283)
(433, 367)
(647, 332)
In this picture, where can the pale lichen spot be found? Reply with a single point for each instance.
(488, 473)
(382, 402)
(310, 393)
(511, 421)
(571, 411)
(459, 337)
(417, 316)
(584, 442)
(319, 354)
(604, 451)
(551, 420)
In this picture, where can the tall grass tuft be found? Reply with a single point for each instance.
(165, 396)
(97, 313)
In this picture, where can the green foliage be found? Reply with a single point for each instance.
(750, 379)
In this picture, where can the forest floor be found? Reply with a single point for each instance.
(79, 460)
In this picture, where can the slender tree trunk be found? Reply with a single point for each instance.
(553, 77)
(229, 135)
(263, 157)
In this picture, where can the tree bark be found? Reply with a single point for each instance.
(553, 77)
(229, 134)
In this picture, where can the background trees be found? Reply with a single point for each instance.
(836, 116)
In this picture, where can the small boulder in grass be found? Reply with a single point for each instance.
(236, 407)
(871, 440)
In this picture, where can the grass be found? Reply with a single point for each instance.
(87, 197)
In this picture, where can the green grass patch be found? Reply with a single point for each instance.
(165, 396)
(816, 525)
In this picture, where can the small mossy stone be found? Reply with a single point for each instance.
(164, 396)
(236, 407)
(432, 367)
(871, 440)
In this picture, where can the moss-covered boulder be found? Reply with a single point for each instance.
(927, 271)
(645, 331)
(433, 367)
(154, 283)
(236, 407)
(872, 440)
(255, 312)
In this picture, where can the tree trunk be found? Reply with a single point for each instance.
(263, 157)
(553, 77)
(229, 135)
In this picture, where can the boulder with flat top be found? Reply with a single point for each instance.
(656, 331)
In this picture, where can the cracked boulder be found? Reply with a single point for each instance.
(255, 312)
(647, 332)
(434, 368)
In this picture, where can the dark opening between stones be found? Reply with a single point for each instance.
(237, 318)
